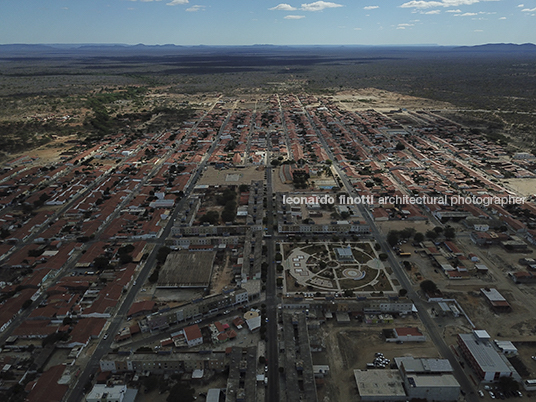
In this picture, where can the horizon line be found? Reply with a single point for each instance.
(261, 44)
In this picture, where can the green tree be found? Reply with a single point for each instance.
(507, 384)
(153, 278)
(407, 233)
(129, 248)
(450, 233)
(393, 237)
(27, 303)
(162, 254)
(428, 286)
(125, 259)
(419, 237)
(101, 263)
(226, 196)
(211, 217)
(151, 382)
(432, 235)
(227, 215)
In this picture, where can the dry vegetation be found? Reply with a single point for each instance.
(46, 93)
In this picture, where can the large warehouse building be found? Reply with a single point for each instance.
(487, 362)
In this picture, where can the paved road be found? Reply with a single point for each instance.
(104, 346)
(421, 305)
(272, 349)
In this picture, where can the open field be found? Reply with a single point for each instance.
(526, 187)
(48, 92)
(352, 347)
(518, 324)
(153, 117)
(233, 176)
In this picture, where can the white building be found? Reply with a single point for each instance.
(115, 393)
(487, 362)
(193, 335)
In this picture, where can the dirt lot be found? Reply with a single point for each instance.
(382, 100)
(153, 396)
(48, 153)
(200, 387)
(352, 346)
(524, 187)
(517, 325)
(217, 177)
(520, 323)
(60, 356)
(280, 187)
(221, 276)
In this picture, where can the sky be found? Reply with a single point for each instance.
(248, 22)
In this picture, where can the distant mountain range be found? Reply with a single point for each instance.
(490, 47)
(500, 48)
(55, 50)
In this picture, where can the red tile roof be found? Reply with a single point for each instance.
(408, 331)
(192, 332)
(141, 307)
(47, 387)
(86, 328)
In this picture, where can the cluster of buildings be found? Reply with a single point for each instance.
(241, 239)
(487, 358)
(424, 379)
(106, 203)
(383, 155)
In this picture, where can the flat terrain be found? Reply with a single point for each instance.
(232, 176)
(525, 187)
(352, 346)
(186, 269)
(46, 91)
(146, 122)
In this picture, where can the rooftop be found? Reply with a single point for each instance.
(434, 381)
(192, 332)
(408, 331)
(412, 365)
(484, 354)
(114, 392)
(379, 383)
(492, 294)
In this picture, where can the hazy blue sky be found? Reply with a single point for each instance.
(246, 22)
